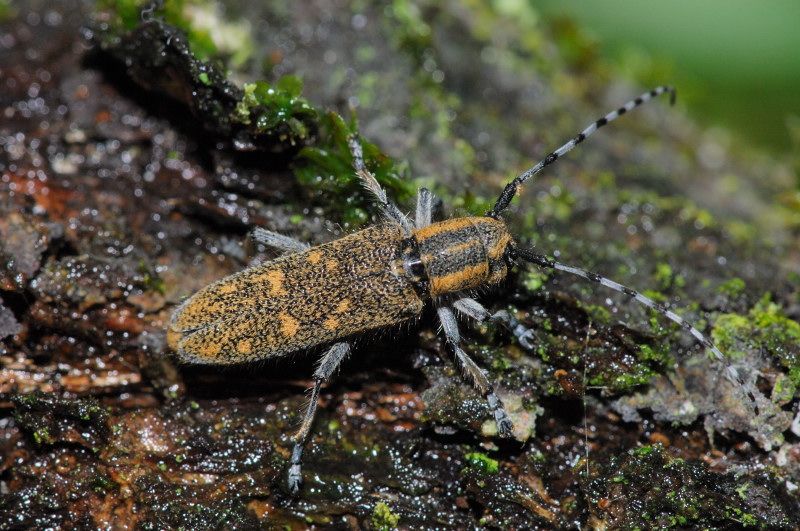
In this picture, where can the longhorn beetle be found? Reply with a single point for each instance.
(375, 278)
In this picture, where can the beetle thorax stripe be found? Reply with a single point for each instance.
(454, 255)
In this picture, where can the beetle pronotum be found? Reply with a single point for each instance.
(376, 278)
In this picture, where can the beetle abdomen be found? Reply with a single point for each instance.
(342, 288)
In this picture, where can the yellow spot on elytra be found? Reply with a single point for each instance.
(224, 289)
(275, 280)
(343, 307)
(332, 323)
(196, 311)
(314, 257)
(244, 347)
(207, 351)
(289, 325)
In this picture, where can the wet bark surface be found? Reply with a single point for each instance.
(122, 193)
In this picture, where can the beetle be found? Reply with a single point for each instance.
(376, 278)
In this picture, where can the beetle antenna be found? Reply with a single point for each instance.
(543, 261)
(511, 188)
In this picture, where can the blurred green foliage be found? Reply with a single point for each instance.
(735, 63)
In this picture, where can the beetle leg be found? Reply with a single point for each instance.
(423, 213)
(371, 184)
(475, 374)
(327, 366)
(474, 309)
(273, 240)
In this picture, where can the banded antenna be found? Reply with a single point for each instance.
(543, 261)
(529, 256)
(511, 188)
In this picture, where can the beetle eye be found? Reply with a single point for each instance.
(510, 255)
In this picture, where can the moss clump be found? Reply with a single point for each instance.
(165, 50)
(266, 107)
(383, 518)
(52, 420)
(210, 35)
(481, 463)
(765, 329)
(327, 168)
(671, 492)
(732, 288)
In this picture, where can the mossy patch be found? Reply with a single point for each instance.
(767, 329)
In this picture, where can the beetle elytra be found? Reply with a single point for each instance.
(378, 277)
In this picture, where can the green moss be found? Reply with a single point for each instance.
(607, 363)
(267, 107)
(669, 492)
(383, 518)
(534, 279)
(466, 201)
(121, 14)
(643, 450)
(211, 36)
(150, 278)
(622, 379)
(327, 167)
(6, 11)
(413, 33)
(766, 328)
(101, 482)
(557, 205)
(262, 113)
(666, 278)
(785, 388)
(732, 288)
(482, 463)
(600, 314)
(52, 420)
